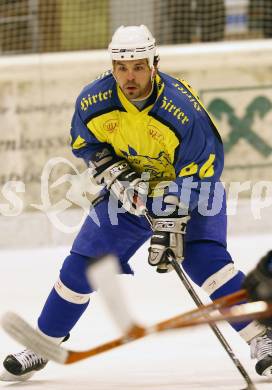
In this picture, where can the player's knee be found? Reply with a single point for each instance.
(73, 281)
(208, 262)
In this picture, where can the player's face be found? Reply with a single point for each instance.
(133, 77)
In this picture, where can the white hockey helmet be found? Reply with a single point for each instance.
(133, 43)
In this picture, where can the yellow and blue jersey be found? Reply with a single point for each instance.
(172, 138)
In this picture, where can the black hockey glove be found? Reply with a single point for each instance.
(258, 283)
(168, 238)
(121, 180)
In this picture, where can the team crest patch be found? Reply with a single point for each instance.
(156, 134)
(159, 166)
(111, 125)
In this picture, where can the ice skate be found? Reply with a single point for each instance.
(21, 366)
(261, 349)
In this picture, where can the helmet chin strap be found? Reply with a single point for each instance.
(153, 73)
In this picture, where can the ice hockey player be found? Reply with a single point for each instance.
(146, 135)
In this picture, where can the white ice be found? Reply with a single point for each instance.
(183, 359)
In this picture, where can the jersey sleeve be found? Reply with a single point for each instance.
(83, 142)
(199, 159)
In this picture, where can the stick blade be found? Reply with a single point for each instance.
(23, 333)
(102, 276)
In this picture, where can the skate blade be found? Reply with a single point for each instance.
(6, 376)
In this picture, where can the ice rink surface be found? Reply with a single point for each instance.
(181, 359)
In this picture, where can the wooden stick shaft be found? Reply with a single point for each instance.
(247, 311)
(136, 332)
(218, 304)
(173, 323)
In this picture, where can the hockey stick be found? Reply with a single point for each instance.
(243, 312)
(212, 325)
(22, 332)
(185, 281)
(204, 310)
(102, 275)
